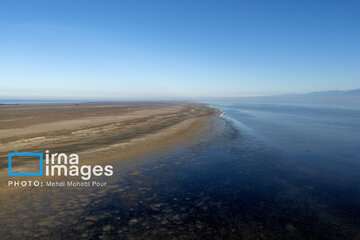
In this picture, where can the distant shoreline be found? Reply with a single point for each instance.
(23, 102)
(19, 102)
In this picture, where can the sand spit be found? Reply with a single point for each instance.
(97, 131)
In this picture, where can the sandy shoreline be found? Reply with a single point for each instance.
(97, 131)
(100, 133)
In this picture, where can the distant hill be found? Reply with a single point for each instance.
(353, 92)
(344, 98)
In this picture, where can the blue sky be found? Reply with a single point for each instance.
(176, 49)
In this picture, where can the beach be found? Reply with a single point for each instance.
(97, 131)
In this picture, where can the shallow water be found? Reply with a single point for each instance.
(256, 172)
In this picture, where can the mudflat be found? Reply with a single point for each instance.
(101, 131)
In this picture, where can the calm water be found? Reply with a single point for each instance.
(326, 138)
(255, 172)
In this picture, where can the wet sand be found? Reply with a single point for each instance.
(97, 131)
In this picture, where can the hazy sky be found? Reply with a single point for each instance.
(173, 49)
